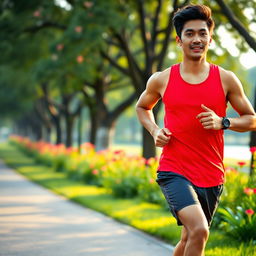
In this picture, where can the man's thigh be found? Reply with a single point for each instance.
(178, 191)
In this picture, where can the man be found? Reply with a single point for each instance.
(195, 95)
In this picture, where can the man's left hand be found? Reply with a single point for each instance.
(209, 119)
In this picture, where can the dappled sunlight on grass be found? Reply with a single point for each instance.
(81, 190)
(140, 208)
(154, 223)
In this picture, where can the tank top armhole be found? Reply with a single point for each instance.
(172, 68)
(217, 72)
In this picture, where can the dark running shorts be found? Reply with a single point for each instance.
(179, 193)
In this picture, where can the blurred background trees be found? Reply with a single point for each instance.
(72, 70)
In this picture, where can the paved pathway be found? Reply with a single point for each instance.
(36, 222)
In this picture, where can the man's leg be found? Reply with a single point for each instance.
(197, 231)
(180, 247)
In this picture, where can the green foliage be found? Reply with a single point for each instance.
(148, 189)
(16, 92)
(123, 175)
(236, 213)
(238, 224)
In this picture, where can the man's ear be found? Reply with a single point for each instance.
(178, 40)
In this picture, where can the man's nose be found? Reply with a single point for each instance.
(196, 39)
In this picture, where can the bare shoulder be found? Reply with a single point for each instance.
(158, 81)
(230, 80)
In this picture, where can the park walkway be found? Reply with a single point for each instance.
(36, 222)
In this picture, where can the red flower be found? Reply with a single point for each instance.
(80, 59)
(78, 29)
(248, 191)
(60, 47)
(249, 212)
(151, 181)
(37, 14)
(241, 163)
(118, 152)
(150, 161)
(95, 172)
(253, 149)
(230, 170)
(254, 190)
(88, 4)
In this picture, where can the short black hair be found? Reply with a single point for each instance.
(192, 12)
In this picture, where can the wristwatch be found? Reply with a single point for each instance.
(225, 123)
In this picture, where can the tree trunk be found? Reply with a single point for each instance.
(47, 134)
(94, 126)
(149, 148)
(79, 129)
(69, 130)
(104, 137)
(56, 122)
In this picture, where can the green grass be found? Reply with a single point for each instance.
(150, 218)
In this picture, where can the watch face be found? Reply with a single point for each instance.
(226, 123)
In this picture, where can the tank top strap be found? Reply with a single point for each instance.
(215, 72)
(173, 76)
(174, 72)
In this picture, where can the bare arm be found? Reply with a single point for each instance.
(239, 101)
(144, 106)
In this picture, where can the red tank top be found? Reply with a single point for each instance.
(192, 151)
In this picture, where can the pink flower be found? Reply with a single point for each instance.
(104, 168)
(60, 47)
(230, 170)
(88, 4)
(37, 13)
(95, 172)
(151, 181)
(150, 161)
(78, 29)
(248, 191)
(249, 212)
(241, 163)
(80, 59)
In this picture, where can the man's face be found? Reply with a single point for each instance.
(195, 39)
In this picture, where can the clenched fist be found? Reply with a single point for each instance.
(209, 119)
(161, 137)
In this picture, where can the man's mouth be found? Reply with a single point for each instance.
(196, 48)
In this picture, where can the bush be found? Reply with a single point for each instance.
(237, 211)
(239, 224)
(123, 174)
(148, 189)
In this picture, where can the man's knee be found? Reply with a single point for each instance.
(199, 233)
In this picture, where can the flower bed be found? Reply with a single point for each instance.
(132, 176)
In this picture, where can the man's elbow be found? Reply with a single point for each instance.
(252, 126)
(137, 107)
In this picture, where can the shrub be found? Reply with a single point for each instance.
(123, 174)
(239, 223)
(148, 189)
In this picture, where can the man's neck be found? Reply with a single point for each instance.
(195, 67)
